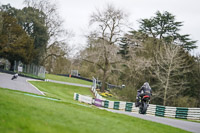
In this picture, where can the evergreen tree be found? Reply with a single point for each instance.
(164, 27)
(124, 48)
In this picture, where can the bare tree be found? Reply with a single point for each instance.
(103, 56)
(57, 62)
(170, 69)
(108, 24)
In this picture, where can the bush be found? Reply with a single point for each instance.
(185, 102)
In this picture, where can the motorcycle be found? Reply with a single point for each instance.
(144, 104)
(14, 76)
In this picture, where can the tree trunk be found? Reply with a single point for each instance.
(165, 96)
(12, 64)
(103, 85)
(167, 84)
(165, 93)
(199, 99)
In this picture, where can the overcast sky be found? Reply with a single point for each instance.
(76, 13)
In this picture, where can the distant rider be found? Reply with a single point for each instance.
(15, 76)
(144, 90)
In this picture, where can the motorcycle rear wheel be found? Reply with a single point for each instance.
(143, 108)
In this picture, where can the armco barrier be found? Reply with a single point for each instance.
(97, 94)
(86, 99)
(106, 104)
(128, 106)
(157, 110)
(160, 110)
(193, 113)
(170, 111)
(116, 105)
(76, 96)
(151, 110)
(135, 109)
(111, 105)
(82, 98)
(181, 113)
(122, 105)
(98, 102)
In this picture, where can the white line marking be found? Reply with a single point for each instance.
(34, 86)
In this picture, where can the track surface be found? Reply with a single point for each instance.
(20, 84)
(67, 83)
(182, 124)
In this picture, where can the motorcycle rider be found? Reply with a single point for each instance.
(144, 90)
(15, 76)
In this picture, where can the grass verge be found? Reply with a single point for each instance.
(61, 91)
(67, 79)
(22, 113)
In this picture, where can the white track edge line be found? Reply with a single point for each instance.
(34, 86)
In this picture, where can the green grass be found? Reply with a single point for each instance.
(61, 91)
(67, 79)
(74, 80)
(20, 113)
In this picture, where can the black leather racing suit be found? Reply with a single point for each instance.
(144, 90)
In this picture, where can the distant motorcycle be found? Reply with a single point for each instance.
(14, 76)
(144, 104)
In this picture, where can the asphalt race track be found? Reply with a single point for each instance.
(20, 84)
(185, 125)
(67, 83)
